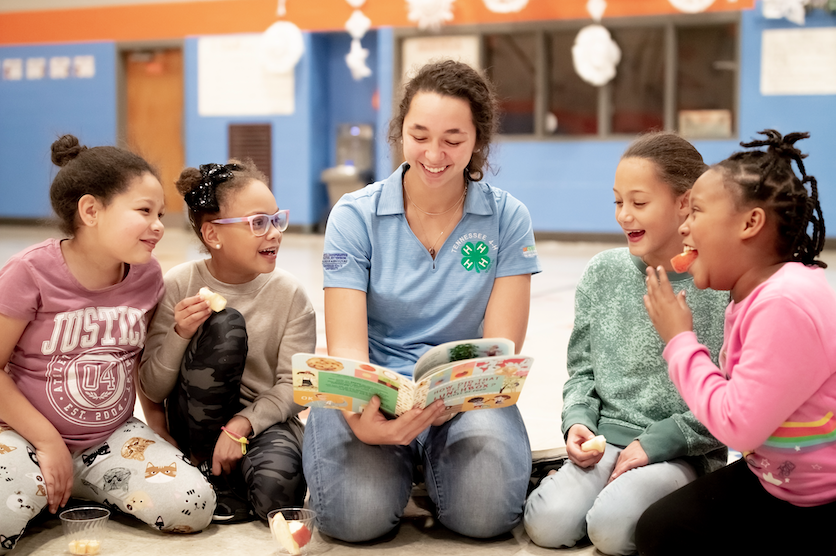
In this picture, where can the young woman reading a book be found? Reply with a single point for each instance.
(428, 255)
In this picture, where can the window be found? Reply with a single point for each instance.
(677, 72)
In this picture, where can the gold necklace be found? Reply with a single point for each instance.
(444, 229)
(434, 213)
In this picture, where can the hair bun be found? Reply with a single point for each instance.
(65, 149)
(188, 180)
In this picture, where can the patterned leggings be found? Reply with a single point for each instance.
(134, 471)
(207, 396)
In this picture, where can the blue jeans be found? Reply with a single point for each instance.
(476, 469)
(575, 502)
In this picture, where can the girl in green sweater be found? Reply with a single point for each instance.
(618, 383)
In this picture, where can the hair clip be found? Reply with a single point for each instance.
(202, 196)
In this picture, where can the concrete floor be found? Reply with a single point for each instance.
(550, 324)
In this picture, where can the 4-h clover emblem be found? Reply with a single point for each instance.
(475, 256)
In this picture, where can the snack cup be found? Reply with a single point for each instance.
(84, 528)
(293, 529)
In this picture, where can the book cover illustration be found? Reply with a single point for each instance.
(448, 372)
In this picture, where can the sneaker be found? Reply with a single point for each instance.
(231, 508)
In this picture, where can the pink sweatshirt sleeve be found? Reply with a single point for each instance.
(773, 356)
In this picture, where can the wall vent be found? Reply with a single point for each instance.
(252, 141)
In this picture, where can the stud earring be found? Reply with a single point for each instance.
(218, 246)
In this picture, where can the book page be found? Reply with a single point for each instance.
(338, 383)
(459, 350)
(484, 383)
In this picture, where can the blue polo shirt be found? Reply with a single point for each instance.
(413, 301)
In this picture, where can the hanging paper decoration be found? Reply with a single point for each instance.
(282, 47)
(691, 6)
(505, 6)
(358, 24)
(596, 9)
(356, 60)
(595, 55)
(430, 14)
(793, 10)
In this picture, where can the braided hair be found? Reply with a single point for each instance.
(766, 179)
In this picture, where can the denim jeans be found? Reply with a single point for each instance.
(575, 502)
(476, 469)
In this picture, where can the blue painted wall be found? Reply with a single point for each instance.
(566, 185)
(33, 113)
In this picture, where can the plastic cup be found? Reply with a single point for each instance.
(293, 533)
(84, 529)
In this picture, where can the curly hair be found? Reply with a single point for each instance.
(458, 80)
(102, 172)
(190, 178)
(766, 179)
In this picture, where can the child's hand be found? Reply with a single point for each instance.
(56, 465)
(577, 435)
(228, 451)
(669, 313)
(631, 457)
(189, 314)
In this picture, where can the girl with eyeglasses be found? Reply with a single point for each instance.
(223, 379)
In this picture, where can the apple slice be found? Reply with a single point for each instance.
(599, 443)
(292, 535)
(216, 301)
(300, 533)
(682, 262)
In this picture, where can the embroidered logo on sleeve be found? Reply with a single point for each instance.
(334, 261)
(475, 256)
(529, 251)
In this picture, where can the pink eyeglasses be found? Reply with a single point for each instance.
(260, 223)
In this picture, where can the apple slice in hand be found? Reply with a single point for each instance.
(599, 443)
(216, 301)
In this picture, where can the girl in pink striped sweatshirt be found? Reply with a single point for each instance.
(774, 395)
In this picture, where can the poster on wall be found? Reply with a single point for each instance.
(59, 67)
(84, 67)
(798, 61)
(417, 51)
(231, 80)
(35, 68)
(13, 69)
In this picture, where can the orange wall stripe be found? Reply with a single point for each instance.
(178, 20)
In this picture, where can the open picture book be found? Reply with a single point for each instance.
(482, 373)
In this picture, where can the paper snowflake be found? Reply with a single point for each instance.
(430, 14)
(596, 9)
(356, 60)
(793, 10)
(505, 6)
(691, 6)
(595, 55)
(358, 24)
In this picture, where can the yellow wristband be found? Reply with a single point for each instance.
(240, 439)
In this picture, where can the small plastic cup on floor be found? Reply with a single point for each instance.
(84, 528)
(293, 529)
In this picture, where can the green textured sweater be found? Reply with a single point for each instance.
(618, 381)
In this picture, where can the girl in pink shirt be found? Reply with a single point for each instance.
(774, 395)
(73, 319)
